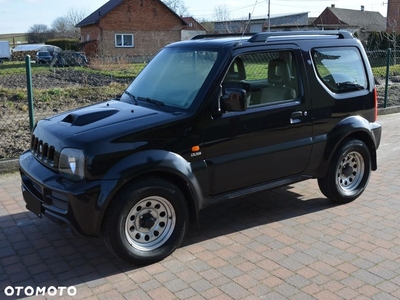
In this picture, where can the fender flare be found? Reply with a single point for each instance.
(148, 162)
(356, 127)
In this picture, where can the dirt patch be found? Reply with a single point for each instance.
(393, 91)
(86, 88)
(60, 78)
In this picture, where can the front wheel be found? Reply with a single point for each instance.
(348, 173)
(146, 221)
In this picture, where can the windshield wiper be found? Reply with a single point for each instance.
(131, 96)
(156, 102)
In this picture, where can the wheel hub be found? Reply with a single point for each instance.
(147, 221)
(347, 170)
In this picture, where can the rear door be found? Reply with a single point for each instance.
(272, 138)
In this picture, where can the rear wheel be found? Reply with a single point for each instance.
(146, 221)
(348, 173)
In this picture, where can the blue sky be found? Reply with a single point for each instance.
(17, 16)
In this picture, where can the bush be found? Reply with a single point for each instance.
(65, 44)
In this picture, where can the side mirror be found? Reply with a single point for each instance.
(234, 99)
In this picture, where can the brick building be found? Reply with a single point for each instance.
(130, 28)
(360, 22)
(192, 29)
(393, 16)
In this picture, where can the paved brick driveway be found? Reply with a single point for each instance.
(289, 243)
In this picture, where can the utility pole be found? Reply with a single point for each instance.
(269, 15)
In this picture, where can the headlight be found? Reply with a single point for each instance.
(72, 164)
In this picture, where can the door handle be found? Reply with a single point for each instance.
(296, 114)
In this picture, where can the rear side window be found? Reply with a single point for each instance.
(340, 69)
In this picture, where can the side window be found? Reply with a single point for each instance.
(340, 69)
(267, 77)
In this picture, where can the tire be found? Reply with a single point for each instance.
(146, 222)
(348, 172)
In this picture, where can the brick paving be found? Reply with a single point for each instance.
(289, 243)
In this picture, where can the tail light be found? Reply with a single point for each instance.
(376, 103)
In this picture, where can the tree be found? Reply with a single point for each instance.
(177, 6)
(61, 28)
(64, 26)
(39, 33)
(221, 13)
(224, 24)
(374, 41)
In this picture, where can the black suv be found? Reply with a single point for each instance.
(207, 121)
(43, 57)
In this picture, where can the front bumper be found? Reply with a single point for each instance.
(78, 205)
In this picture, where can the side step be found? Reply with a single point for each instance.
(258, 188)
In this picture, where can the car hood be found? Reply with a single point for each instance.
(103, 122)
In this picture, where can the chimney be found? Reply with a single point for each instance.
(333, 5)
(362, 7)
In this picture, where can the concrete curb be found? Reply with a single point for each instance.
(8, 165)
(11, 165)
(389, 110)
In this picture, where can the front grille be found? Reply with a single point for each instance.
(43, 151)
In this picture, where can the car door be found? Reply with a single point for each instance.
(271, 139)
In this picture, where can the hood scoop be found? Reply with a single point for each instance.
(85, 117)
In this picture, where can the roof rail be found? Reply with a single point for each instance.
(263, 36)
(221, 35)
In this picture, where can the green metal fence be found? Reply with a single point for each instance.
(63, 86)
(386, 69)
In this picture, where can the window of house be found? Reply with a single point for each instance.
(124, 40)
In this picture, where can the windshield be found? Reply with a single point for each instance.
(173, 77)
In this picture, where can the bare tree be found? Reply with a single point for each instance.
(64, 26)
(177, 6)
(74, 15)
(224, 23)
(61, 28)
(39, 33)
(221, 13)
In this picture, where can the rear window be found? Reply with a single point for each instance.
(340, 69)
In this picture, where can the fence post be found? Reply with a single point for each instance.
(30, 91)
(389, 51)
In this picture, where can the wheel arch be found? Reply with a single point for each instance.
(154, 163)
(354, 127)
